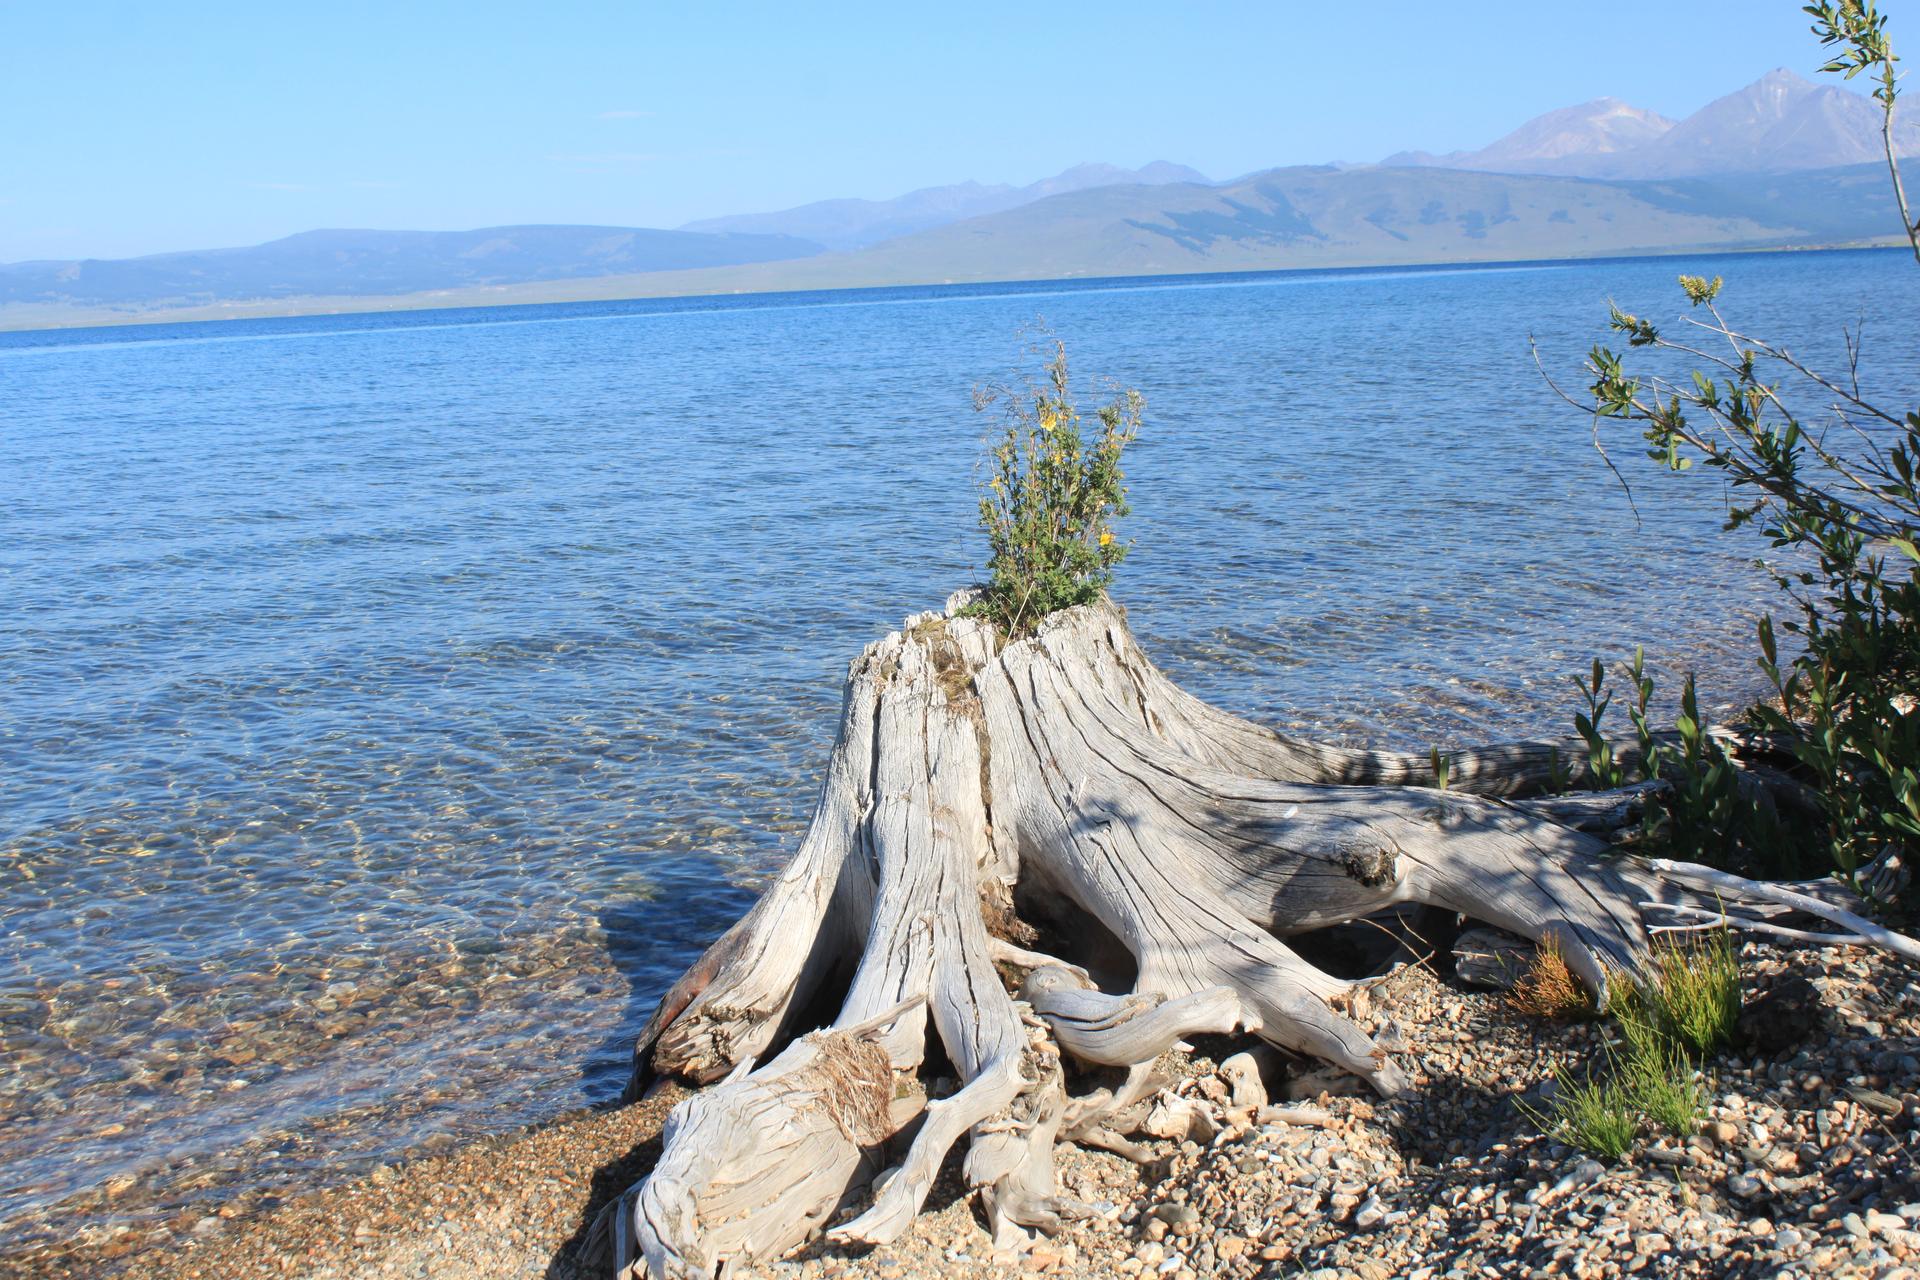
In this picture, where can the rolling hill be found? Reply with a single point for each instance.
(1306, 217)
(1329, 216)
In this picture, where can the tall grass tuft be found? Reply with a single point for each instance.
(1684, 1007)
(1661, 1082)
(1596, 1114)
(1690, 995)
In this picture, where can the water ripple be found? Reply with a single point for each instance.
(384, 721)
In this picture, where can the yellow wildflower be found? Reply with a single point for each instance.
(1106, 538)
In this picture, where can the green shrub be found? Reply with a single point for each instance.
(1705, 813)
(1846, 712)
(1842, 496)
(1603, 771)
(1050, 495)
(1702, 815)
(1846, 704)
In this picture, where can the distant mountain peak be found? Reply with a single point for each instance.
(1603, 126)
(1608, 106)
(1780, 123)
(1771, 96)
(1088, 171)
(1096, 173)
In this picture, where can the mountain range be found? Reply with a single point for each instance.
(1780, 123)
(1330, 216)
(385, 263)
(1779, 163)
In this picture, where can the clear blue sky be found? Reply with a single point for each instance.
(137, 128)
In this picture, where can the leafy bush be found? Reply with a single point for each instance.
(1846, 709)
(1702, 814)
(1050, 496)
(1847, 701)
(1841, 495)
(1705, 814)
(1605, 772)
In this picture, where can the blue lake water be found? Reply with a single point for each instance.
(390, 706)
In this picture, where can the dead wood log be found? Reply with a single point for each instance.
(1065, 764)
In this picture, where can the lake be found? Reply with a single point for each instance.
(390, 706)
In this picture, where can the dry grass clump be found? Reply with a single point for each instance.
(1549, 989)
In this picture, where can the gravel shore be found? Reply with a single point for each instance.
(1808, 1164)
(514, 1206)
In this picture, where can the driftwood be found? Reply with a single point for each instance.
(1491, 958)
(1173, 847)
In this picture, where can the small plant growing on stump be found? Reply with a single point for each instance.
(1050, 496)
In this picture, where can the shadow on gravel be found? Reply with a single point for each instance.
(583, 1257)
(648, 953)
(588, 1255)
(1426, 1123)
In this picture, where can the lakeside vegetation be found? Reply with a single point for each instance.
(1827, 476)
(1831, 779)
(1833, 487)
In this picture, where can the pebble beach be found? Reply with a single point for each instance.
(1807, 1164)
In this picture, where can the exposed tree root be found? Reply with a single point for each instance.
(1068, 765)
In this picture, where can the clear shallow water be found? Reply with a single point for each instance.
(390, 706)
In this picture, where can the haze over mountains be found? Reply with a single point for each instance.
(1780, 162)
(855, 224)
(1333, 216)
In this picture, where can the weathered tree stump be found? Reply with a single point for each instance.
(1065, 766)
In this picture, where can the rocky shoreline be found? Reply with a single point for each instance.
(1808, 1164)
